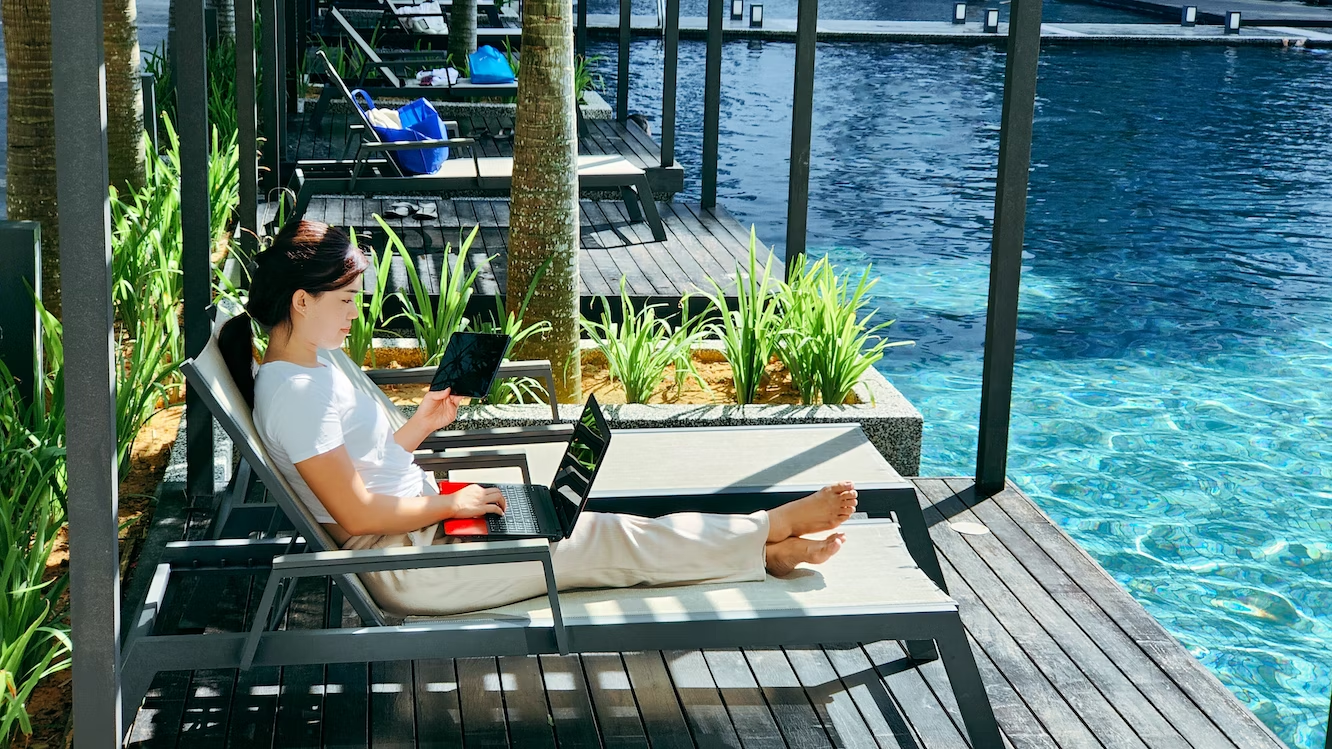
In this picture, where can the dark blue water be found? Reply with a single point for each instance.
(1173, 395)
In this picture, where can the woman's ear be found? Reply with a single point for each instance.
(300, 301)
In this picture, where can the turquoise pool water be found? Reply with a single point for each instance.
(1173, 401)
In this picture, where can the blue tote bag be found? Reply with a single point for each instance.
(420, 122)
(488, 65)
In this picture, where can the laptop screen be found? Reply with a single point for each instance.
(578, 468)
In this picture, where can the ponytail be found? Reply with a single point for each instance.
(236, 341)
(305, 255)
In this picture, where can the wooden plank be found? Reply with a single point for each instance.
(346, 705)
(662, 719)
(681, 237)
(301, 700)
(353, 213)
(790, 705)
(836, 709)
(482, 703)
(1205, 691)
(254, 708)
(1078, 688)
(728, 253)
(717, 262)
(645, 253)
(207, 709)
(883, 715)
(613, 700)
(708, 720)
(570, 705)
(526, 712)
(748, 709)
(158, 722)
(1110, 661)
(392, 706)
(333, 211)
(438, 717)
(598, 273)
(598, 228)
(1050, 707)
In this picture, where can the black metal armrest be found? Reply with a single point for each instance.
(227, 553)
(469, 438)
(436, 461)
(353, 561)
(416, 145)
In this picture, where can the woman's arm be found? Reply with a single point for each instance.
(438, 409)
(335, 482)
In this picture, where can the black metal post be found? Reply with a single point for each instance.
(669, 82)
(622, 81)
(272, 108)
(210, 26)
(20, 324)
(247, 126)
(712, 103)
(148, 84)
(802, 128)
(1010, 208)
(90, 440)
(196, 232)
(580, 39)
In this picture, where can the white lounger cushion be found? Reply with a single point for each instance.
(501, 167)
(872, 574)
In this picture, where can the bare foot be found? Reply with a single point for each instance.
(782, 557)
(823, 510)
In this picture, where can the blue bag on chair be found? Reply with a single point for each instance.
(420, 122)
(488, 65)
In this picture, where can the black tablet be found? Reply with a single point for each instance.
(470, 363)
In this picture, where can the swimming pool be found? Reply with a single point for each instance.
(1173, 394)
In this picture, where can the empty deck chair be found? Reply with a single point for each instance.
(385, 73)
(871, 591)
(416, 21)
(371, 173)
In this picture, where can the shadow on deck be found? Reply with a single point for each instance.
(1068, 657)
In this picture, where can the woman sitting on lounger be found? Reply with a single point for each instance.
(357, 477)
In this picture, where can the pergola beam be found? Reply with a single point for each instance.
(1010, 209)
(196, 230)
(802, 128)
(90, 433)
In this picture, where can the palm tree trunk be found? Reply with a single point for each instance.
(544, 205)
(462, 32)
(124, 99)
(31, 147)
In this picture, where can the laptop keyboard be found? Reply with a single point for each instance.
(518, 517)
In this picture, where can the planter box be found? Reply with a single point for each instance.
(890, 422)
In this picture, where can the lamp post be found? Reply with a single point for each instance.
(756, 16)
(1232, 22)
(1188, 15)
(959, 12)
(737, 10)
(992, 20)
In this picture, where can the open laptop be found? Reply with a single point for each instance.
(535, 511)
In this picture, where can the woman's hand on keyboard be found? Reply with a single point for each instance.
(474, 501)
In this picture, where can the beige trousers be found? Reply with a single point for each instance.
(605, 551)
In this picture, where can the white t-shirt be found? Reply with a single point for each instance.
(302, 412)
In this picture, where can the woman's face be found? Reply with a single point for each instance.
(326, 318)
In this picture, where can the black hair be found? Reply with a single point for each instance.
(305, 255)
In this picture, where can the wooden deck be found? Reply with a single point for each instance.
(700, 244)
(1069, 660)
(334, 140)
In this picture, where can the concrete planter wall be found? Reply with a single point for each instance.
(892, 424)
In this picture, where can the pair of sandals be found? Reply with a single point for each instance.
(421, 212)
(505, 133)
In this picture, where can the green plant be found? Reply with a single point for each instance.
(585, 78)
(433, 322)
(516, 389)
(749, 333)
(365, 326)
(641, 346)
(826, 345)
(34, 643)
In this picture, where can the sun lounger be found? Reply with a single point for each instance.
(392, 74)
(872, 591)
(371, 173)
